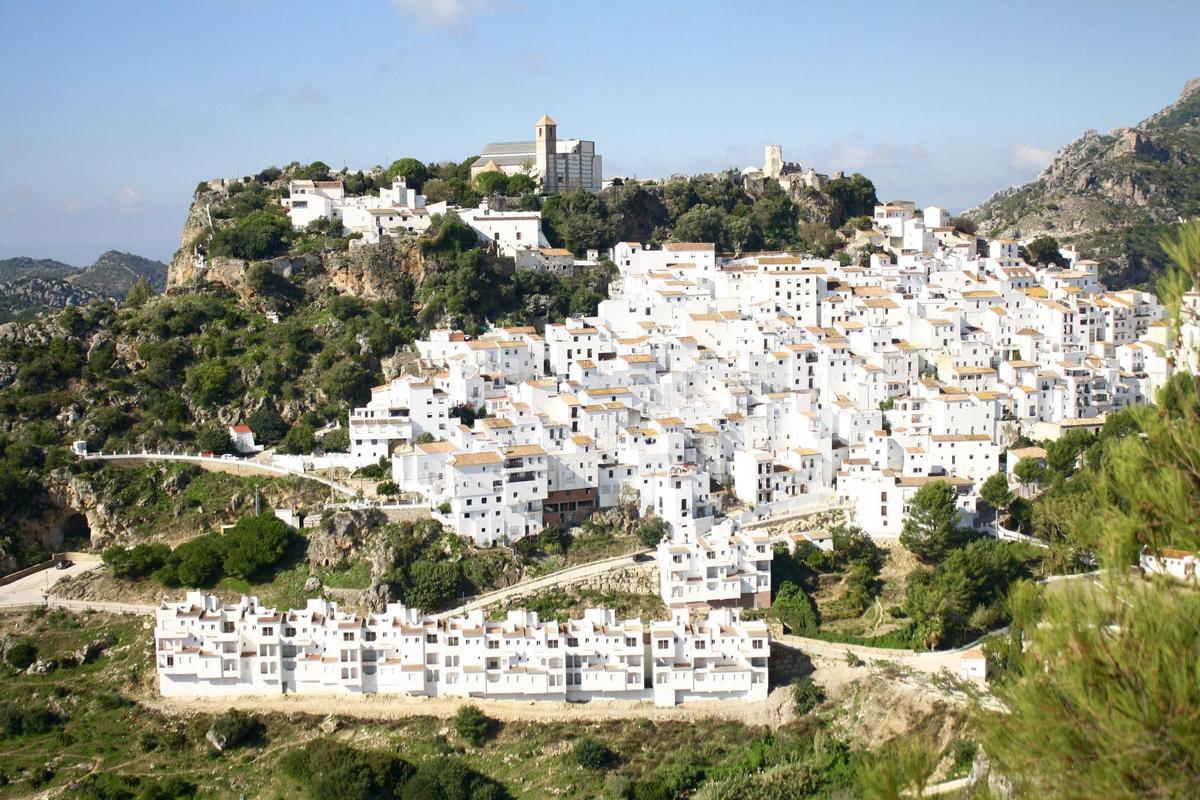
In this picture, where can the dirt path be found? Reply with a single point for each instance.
(772, 712)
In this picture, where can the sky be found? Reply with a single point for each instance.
(115, 110)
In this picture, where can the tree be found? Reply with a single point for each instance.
(519, 184)
(195, 563)
(491, 182)
(413, 171)
(138, 561)
(1029, 472)
(795, 609)
(1063, 453)
(347, 382)
(255, 543)
(139, 293)
(299, 440)
(593, 754)
(214, 440)
(212, 382)
(701, 224)
(854, 195)
(1097, 690)
(450, 779)
(336, 441)
(651, 531)
(931, 529)
(267, 425)
(1043, 251)
(387, 489)
(436, 190)
(330, 770)
(473, 725)
(995, 492)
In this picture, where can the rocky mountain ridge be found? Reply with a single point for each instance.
(30, 286)
(1109, 194)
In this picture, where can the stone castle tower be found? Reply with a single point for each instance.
(546, 147)
(773, 161)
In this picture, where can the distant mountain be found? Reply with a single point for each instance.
(29, 286)
(1112, 195)
(114, 273)
(12, 269)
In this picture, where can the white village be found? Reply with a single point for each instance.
(786, 383)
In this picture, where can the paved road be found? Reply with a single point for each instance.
(554, 579)
(31, 589)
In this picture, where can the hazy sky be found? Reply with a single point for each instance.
(114, 110)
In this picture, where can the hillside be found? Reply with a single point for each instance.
(31, 286)
(1111, 195)
(30, 295)
(114, 273)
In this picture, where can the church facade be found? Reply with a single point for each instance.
(562, 165)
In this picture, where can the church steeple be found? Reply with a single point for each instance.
(546, 147)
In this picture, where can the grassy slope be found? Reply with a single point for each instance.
(108, 727)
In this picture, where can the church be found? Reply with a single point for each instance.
(562, 165)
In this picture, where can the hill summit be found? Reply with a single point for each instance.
(1112, 195)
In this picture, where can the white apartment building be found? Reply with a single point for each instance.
(206, 648)
(720, 568)
(721, 657)
(398, 413)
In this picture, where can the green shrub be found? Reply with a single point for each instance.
(433, 584)
(27, 720)
(806, 695)
(331, 770)
(21, 654)
(450, 779)
(236, 728)
(592, 754)
(473, 725)
(138, 561)
(267, 425)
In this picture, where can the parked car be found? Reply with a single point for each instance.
(64, 564)
(207, 454)
(229, 457)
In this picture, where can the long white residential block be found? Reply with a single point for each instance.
(205, 648)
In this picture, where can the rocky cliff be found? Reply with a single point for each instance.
(1110, 194)
(31, 295)
(367, 271)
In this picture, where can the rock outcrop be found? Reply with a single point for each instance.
(1103, 192)
(341, 537)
